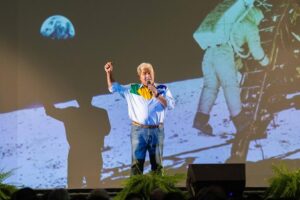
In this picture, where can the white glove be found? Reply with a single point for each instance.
(264, 62)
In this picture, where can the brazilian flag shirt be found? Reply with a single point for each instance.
(143, 107)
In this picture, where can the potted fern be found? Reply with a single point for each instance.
(285, 184)
(6, 190)
(145, 184)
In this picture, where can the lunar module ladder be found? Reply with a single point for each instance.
(254, 83)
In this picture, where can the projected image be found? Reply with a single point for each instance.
(57, 27)
(234, 78)
(218, 64)
(231, 39)
(231, 26)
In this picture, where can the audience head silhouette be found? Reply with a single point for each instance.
(58, 194)
(211, 193)
(134, 196)
(98, 194)
(24, 194)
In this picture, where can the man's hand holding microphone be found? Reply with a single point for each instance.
(152, 88)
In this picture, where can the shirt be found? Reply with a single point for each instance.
(143, 108)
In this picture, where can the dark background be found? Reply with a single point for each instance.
(36, 70)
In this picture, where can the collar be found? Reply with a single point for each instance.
(141, 85)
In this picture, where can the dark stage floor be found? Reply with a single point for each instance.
(80, 194)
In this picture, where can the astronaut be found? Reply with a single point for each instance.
(219, 69)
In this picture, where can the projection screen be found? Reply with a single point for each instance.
(61, 127)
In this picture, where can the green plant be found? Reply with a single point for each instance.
(6, 190)
(145, 184)
(285, 184)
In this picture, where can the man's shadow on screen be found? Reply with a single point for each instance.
(85, 128)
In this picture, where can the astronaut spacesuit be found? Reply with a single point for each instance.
(219, 69)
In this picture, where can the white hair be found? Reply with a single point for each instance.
(145, 66)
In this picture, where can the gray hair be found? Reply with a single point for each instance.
(145, 66)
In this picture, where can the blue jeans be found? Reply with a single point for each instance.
(143, 140)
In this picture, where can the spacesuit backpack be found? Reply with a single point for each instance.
(216, 27)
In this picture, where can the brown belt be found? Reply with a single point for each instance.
(146, 126)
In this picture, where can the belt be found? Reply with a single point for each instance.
(146, 126)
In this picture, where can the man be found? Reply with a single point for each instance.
(219, 70)
(147, 103)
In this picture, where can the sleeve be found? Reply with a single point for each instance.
(166, 93)
(254, 44)
(170, 99)
(121, 89)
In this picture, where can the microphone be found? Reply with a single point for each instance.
(148, 80)
(149, 83)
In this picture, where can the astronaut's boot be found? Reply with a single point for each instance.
(242, 122)
(201, 123)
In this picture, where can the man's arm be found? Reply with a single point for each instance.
(113, 86)
(165, 99)
(108, 67)
(162, 100)
(158, 96)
